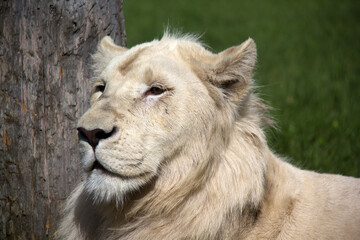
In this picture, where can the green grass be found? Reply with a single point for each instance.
(308, 66)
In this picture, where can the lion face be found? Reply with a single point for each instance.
(142, 110)
(149, 104)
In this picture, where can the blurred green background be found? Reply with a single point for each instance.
(308, 66)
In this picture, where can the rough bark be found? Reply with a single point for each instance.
(45, 49)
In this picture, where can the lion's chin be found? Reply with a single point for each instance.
(104, 186)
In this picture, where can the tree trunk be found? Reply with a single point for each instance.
(45, 49)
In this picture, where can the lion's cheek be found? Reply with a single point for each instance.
(125, 158)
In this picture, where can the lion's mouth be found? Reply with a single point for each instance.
(99, 168)
(98, 165)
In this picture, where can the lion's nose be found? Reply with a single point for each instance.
(94, 136)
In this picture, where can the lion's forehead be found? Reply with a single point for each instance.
(158, 56)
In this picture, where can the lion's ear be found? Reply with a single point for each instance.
(108, 46)
(233, 70)
(106, 50)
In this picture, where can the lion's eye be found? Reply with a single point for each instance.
(100, 88)
(155, 91)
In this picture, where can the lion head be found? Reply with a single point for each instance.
(161, 111)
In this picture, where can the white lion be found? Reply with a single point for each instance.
(173, 148)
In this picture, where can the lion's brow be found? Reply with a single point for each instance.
(127, 64)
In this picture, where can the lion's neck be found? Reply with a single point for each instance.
(234, 194)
